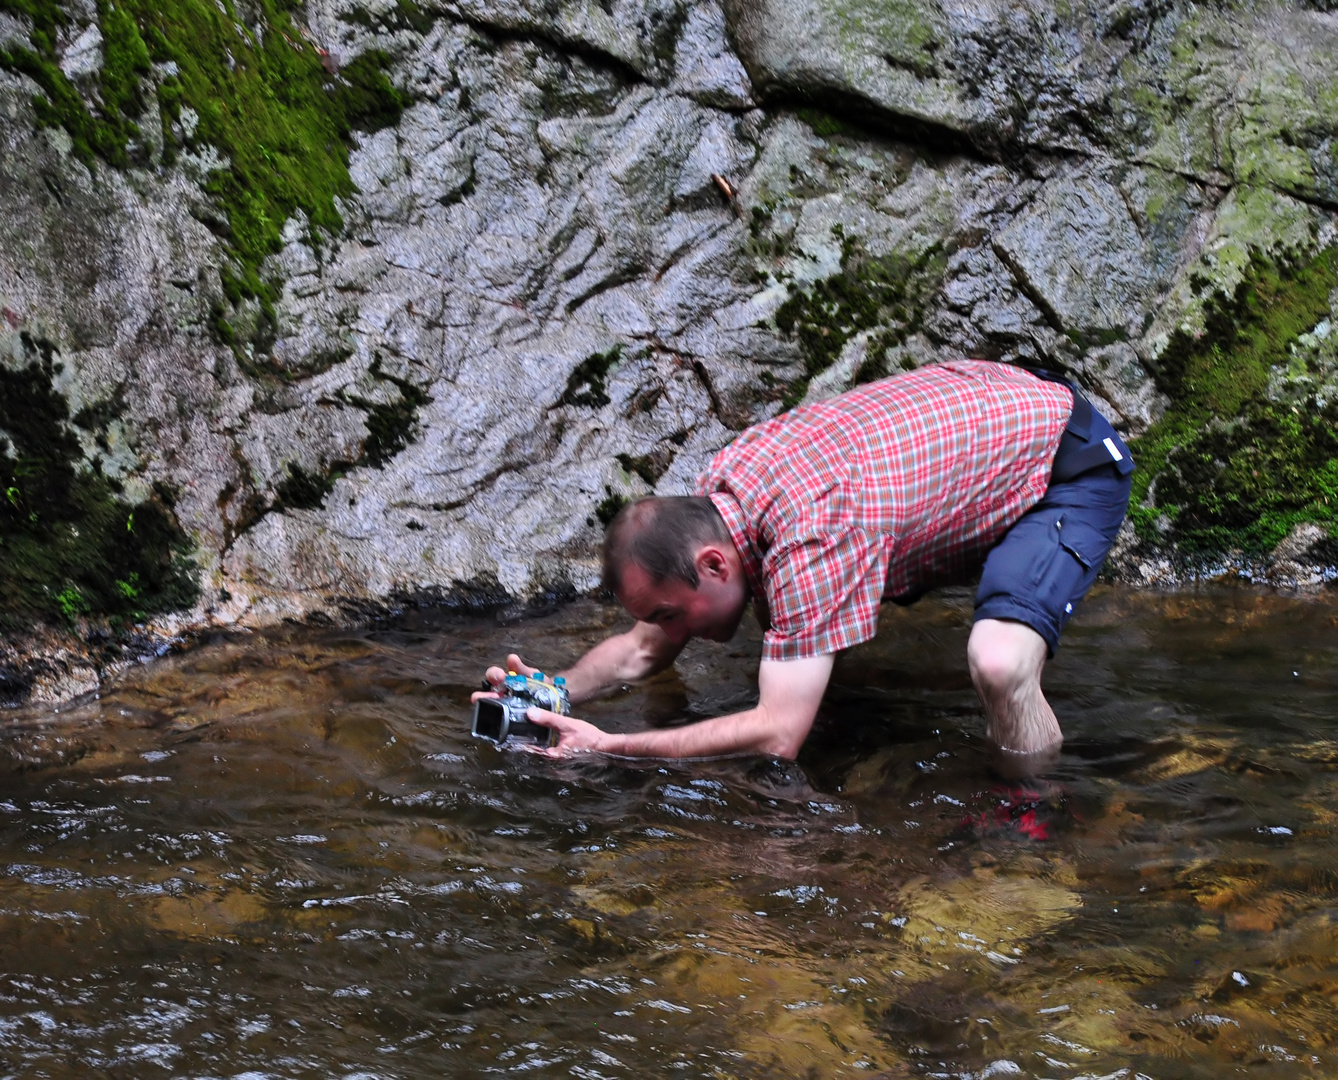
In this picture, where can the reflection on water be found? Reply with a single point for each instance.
(283, 856)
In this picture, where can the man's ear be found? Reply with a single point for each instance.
(711, 562)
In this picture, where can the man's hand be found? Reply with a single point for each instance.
(641, 651)
(573, 734)
(496, 676)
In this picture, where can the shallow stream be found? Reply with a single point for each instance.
(284, 856)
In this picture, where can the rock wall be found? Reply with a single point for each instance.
(309, 313)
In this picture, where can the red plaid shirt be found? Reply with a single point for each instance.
(884, 491)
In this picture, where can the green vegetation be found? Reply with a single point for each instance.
(236, 83)
(107, 133)
(608, 508)
(1246, 334)
(650, 467)
(585, 385)
(886, 294)
(390, 428)
(70, 544)
(1234, 470)
(244, 81)
(1244, 485)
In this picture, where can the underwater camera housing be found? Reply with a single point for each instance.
(503, 718)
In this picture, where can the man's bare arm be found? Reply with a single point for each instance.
(789, 694)
(637, 654)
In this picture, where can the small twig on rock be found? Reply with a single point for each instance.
(730, 193)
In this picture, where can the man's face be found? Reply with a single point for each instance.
(712, 610)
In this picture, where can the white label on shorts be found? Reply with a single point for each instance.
(1114, 450)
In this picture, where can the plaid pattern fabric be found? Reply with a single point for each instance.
(884, 491)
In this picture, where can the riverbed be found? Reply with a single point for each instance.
(283, 855)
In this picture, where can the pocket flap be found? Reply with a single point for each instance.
(1084, 542)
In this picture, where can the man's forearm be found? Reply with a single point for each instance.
(620, 659)
(748, 732)
(777, 725)
(789, 694)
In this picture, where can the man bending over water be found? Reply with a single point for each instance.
(820, 514)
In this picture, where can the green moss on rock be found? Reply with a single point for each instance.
(125, 65)
(885, 294)
(825, 125)
(608, 507)
(1245, 484)
(1235, 471)
(102, 133)
(650, 467)
(244, 81)
(1245, 334)
(586, 384)
(70, 544)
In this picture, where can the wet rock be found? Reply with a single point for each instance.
(1248, 99)
(83, 58)
(887, 56)
(638, 34)
(987, 312)
(1303, 559)
(989, 915)
(705, 67)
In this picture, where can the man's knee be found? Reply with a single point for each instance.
(1004, 656)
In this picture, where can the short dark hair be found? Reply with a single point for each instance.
(662, 535)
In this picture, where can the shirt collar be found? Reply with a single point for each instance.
(732, 514)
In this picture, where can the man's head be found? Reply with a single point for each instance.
(671, 562)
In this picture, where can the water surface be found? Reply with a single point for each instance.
(283, 856)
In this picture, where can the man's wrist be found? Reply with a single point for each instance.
(582, 691)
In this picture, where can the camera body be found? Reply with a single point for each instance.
(503, 718)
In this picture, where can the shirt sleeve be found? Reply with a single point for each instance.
(823, 590)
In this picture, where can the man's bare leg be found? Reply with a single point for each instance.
(1006, 660)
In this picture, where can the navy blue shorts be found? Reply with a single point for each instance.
(1044, 565)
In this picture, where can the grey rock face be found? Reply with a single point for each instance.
(642, 35)
(84, 56)
(1077, 252)
(1115, 375)
(887, 55)
(565, 214)
(597, 244)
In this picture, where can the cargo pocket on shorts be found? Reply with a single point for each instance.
(1084, 543)
(1082, 549)
(1053, 571)
(1043, 551)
